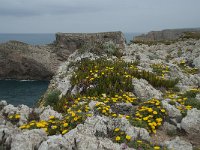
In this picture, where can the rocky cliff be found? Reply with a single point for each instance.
(167, 35)
(22, 61)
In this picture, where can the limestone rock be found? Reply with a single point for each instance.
(144, 90)
(191, 123)
(173, 112)
(178, 144)
(24, 112)
(28, 140)
(196, 62)
(3, 103)
(169, 128)
(9, 109)
(48, 111)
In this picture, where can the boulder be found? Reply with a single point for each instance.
(24, 112)
(178, 144)
(173, 112)
(28, 140)
(144, 90)
(169, 128)
(191, 123)
(48, 111)
(9, 109)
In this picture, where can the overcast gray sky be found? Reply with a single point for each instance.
(50, 16)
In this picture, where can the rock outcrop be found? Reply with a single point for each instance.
(165, 35)
(22, 61)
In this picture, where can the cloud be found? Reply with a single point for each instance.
(46, 7)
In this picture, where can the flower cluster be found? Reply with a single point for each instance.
(119, 136)
(96, 77)
(186, 68)
(183, 101)
(160, 69)
(151, 114)
(14, 118)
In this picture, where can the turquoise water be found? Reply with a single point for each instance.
(22, 92)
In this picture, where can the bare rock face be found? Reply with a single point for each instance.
(73, 41)
(23, 61)
(144, 90)
(191, 123)
(178, 144)
(28, 140)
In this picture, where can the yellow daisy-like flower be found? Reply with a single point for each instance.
(118, 138)
(156, 147)
(17, 116)
(128, 137)
(139, 141)
(64, 131)
(65, 124)
(75, 118)
(163, 110)
(51, 117)
(53, 127)
(155, 112)
(22, 127)
(116, 129)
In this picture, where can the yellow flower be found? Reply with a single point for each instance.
(155, 112)
(40, 125)
(22, 127)
(156, 147)
(127, 117)
(51, 117)
(118, 138)
(75, 118)
(138, 141)
(17, 116)
(73, 114)
(114, 115)
(128, 137)
(163, 110)
(103, 111)
(64, 131)
(10, 117)
(145, 118)
(89, 115)
(65, 124)
(53, 127)
(116, 129)
(150, 109)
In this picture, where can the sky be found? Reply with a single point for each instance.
(51, 16)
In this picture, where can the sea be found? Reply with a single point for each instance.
(28, 92)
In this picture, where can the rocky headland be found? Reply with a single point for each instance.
(105, 96)
(27, 62)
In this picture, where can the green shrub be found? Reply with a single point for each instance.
(52, 98)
